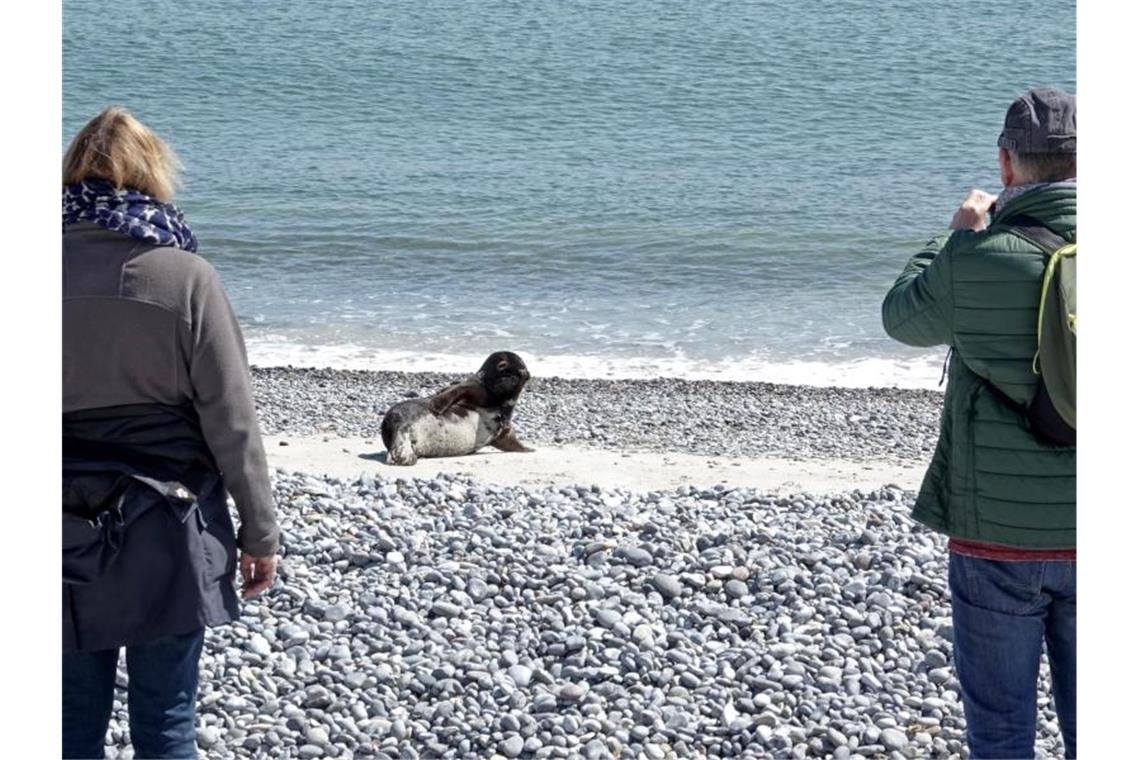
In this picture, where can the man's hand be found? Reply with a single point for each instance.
(971, 215)
(257, 574)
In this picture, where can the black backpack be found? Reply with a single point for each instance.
(1052, 413)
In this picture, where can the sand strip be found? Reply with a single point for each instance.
(558, 465)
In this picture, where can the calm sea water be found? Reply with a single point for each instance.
(704, 189)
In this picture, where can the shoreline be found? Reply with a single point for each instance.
(917, 371)
(704, 418)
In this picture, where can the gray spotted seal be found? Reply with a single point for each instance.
(462, 418)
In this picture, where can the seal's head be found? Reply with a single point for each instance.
(503, 375)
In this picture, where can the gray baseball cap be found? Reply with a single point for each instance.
(1043, 120)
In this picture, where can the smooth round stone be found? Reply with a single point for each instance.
(572, 692)
(207, 736)
(606, 617)
(736, 589)
(939, 676)
(296, 636)
(512, 746)
(521, 675)
(779, 651)
(446, 610)
(477, 589)
(259, 645)
(643, 634)
(596, 750)
(830, 672)
(668, 585)
(769, 719)
(893, 739)
(318, 696)
(336, 612)
(318, 736)
(637, 557)
(934, 659)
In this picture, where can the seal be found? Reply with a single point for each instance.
(462, 418)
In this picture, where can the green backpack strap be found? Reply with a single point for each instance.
(1036, 232)
(1069, 249)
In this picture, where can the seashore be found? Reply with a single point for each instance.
(700, 417)
(683, 569)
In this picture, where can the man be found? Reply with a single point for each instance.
(1006, 499)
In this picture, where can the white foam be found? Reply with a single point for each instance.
(922, 372)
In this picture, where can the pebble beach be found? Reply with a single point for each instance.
(436, 614)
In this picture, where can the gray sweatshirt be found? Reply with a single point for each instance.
(145, 324)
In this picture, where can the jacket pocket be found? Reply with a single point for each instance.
(90, 545)
(218, 543)
(95, 520)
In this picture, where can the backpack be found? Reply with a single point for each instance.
(1052, 414)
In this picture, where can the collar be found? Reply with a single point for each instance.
(1017, 191)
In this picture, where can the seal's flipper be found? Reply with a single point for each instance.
(507, 441)
(443, 401)
(402, 451)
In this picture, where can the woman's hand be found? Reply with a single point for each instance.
(257, 574)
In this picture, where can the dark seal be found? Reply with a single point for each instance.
(462, 418)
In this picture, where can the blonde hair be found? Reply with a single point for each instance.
(117, 147)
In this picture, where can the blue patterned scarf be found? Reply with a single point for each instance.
(128, 211)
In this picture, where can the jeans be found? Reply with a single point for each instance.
(1002, 612)
(161, 696)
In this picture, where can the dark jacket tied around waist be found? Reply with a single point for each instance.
(149, 549)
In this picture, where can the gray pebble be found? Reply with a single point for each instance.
(893, 739)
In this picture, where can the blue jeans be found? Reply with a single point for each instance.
(161, 696)
(1003, 611)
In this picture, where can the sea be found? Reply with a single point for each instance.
(619, 188)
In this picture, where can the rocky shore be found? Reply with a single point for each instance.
(447, 617)
(693, 416)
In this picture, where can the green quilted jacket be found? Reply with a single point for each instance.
(978, 292)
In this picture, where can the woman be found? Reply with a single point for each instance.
(158, 423)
